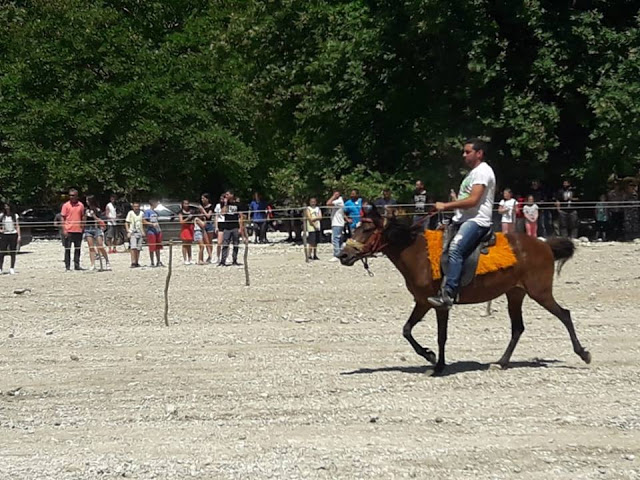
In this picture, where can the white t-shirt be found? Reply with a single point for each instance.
(510, 215)
(134, 221)
(8, 225)
(337, 213)
(530, 210)
(314, 213)
(110, 212)
(218, 211)
(481, 213)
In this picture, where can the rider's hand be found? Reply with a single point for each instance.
(440, 206)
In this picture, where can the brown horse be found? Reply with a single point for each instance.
(532, 275)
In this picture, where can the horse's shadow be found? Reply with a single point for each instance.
(459, 367)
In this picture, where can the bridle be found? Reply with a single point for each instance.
(376, 243)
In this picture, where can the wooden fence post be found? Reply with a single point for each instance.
(166, 285)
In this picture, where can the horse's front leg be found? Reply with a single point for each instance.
(443, 324)
(418, 313)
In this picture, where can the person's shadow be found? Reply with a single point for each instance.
(458, 367)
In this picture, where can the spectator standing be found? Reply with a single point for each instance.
(352, 209)
(386, 205)
(219, 225)
(133, 223)
(419, 201)
(208, 217)
(199, 234)
(112, 216)
(531, 214)
(602, 219)
(72, 213)
(567, 214)
(94, 232)
(258, 215)
(507, 209)
(545, 223)
(59, 224)
(631, 213)
(9, 236)
(186, 231)
(233, 222)
(520, 226)
(313, 216)
(337, 222)
(616, 215)
(154, 233)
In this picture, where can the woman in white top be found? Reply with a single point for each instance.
(219, 222)
(9, 236)
(508, 210)
(530, 212)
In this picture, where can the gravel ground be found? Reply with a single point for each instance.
(305, 374)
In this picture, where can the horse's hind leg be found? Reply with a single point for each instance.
(417, 314)
(515, 297)
(547, 301)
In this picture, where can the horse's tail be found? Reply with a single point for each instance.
(563, 249)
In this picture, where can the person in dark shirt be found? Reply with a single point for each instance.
(386, 204)
(419, 201)
(233, 223)
(567, 213)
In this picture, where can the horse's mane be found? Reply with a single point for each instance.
(401, 233)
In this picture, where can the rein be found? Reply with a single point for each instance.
(376, 244)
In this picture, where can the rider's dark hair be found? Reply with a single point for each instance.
(478, 145)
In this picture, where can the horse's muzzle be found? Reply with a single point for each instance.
(348, 256)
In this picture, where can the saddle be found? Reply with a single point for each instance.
(470, 264)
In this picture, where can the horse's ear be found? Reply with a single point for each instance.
(371, 212)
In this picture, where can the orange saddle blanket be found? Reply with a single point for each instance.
(500, 255)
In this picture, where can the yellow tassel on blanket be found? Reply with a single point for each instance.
(499, 256)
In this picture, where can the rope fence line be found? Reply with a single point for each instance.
(551, 206)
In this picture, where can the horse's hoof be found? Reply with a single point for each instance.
(498, 366)
(430, 357)
(585, 356)
(438, 371)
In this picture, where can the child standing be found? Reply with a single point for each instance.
(530, 211)
(602, 219)
(313, 215)
(507, 208)
(186, 231)
(199, 236)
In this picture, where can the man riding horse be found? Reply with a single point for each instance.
(472, 219)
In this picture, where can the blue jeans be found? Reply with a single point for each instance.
(460, 248)
(336, 235)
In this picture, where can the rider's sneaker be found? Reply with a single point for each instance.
(444, 300)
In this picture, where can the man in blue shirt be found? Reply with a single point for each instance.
(258, 212)
(352, 208)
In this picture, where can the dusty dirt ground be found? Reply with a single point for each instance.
(305, 374)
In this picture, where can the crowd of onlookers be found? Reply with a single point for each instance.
(214, 229)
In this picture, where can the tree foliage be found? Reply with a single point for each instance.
(299, 96)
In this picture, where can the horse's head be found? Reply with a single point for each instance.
(367, 238)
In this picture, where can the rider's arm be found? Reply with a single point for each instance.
(471, 201)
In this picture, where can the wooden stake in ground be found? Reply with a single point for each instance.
(305, 232)
(166, 285)
(246, 255)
